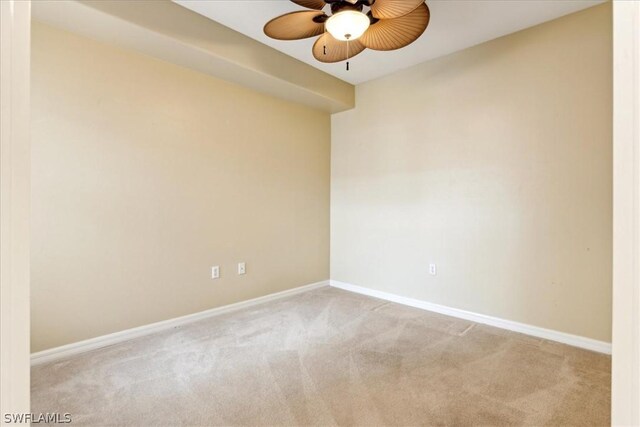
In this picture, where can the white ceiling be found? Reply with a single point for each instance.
(455, 25)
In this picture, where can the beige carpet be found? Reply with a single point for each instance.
(329, 357)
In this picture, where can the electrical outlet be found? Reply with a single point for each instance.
(433, 269)
(242, 268)
(215, 272)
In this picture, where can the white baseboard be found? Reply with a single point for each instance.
(61, 352)
(562, 337)
(64, 351)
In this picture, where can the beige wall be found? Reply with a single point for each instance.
(495, 164)
(146, 174)
(169, 31)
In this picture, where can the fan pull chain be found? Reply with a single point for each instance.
(347, 54)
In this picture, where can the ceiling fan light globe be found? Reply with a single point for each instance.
(347, 25)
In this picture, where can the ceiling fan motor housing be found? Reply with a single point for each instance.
(341, 5)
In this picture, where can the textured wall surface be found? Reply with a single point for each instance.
(495, 163)
(146, 174)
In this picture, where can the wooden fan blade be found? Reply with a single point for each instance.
(311, 4)
(389, 9)
(295, 25)
(336, 50)
(390, 34)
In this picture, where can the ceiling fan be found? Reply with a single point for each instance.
(348, 30)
